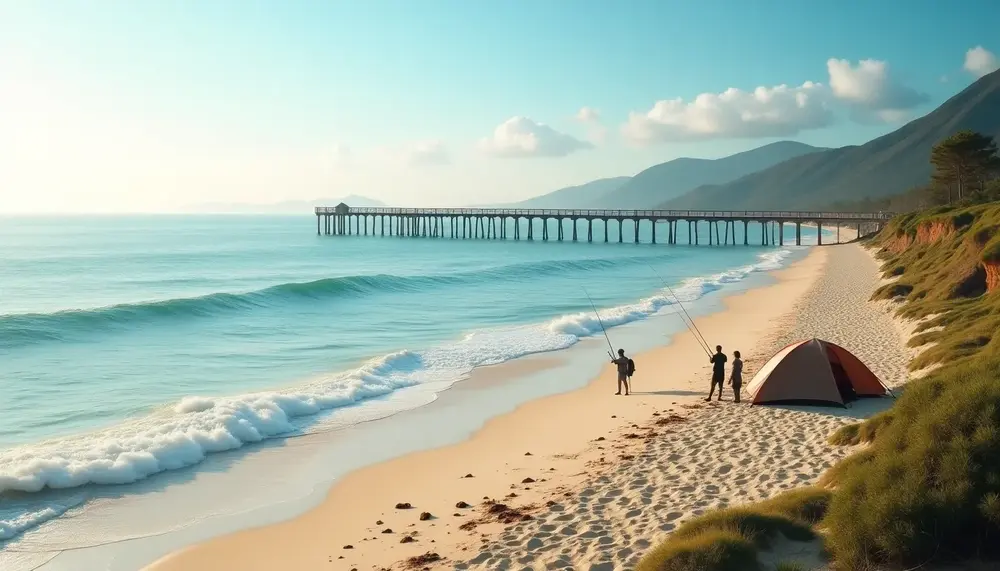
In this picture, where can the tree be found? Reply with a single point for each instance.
(964, 163)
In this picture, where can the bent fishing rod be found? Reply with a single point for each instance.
(692, 327)
(603, 330)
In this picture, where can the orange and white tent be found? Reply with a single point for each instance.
(814, 372)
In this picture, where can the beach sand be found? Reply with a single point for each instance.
(588, 480)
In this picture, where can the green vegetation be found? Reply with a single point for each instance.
(789, 566)
(728, 539)
(964, 163)
(926, 488)
(943, 281)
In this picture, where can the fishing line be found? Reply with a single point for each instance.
(692, 327)
(598, 314)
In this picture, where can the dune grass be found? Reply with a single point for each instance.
(729, 539)
(945, 281)
(927, 486)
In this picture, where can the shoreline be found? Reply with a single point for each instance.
(562, 459)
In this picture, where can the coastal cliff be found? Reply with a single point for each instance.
(954, 242)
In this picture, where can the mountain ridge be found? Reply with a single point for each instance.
(666, 180)
(886, 166)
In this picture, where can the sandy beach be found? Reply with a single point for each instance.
(589, 480)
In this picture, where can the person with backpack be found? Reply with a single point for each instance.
(718, 372)
(626, 367)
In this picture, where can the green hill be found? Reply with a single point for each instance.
(886, 166)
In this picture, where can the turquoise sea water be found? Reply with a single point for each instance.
(131, 346)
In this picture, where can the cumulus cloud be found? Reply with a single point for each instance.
(871, 91)
(867, 89)
(979, 61)
(780, 111)
(588, 115)
(427, 153)
(522, 137)
(597, 133)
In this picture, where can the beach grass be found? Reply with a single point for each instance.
(729, 539)
(926, 488)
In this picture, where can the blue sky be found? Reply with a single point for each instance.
(153, 105)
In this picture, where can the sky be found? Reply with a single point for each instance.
(153, 106)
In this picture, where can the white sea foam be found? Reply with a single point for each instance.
(183, 434)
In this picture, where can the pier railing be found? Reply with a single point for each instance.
(603, 213)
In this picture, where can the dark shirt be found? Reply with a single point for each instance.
(719, 363)
(622, 363)
(737, 374)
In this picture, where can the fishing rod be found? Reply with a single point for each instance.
(605, 331)
(691, 326)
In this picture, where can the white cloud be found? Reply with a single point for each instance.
(779, 111)
(588, 115)
(597, 133)
(427, 153)
(871, 91)
(979, 61)
(522, 137)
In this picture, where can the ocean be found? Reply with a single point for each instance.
(137, 345)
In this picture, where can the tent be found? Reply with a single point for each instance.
(814, 372)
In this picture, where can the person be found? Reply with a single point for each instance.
(622, 363)
(736, 376)
(718, 372)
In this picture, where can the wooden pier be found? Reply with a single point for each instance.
(506, 223)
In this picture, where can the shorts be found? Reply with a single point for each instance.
(622, 377)
(719, 378)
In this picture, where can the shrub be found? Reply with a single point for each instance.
(929, 486)
(728, 539)
(714, 550)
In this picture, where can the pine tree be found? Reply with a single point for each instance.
(964, 163)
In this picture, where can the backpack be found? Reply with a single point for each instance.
(631, 367)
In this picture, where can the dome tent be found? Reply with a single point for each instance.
(814, 372)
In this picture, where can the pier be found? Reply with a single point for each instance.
(506, 223)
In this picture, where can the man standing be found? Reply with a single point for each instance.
(622, 363)
(718, 372)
